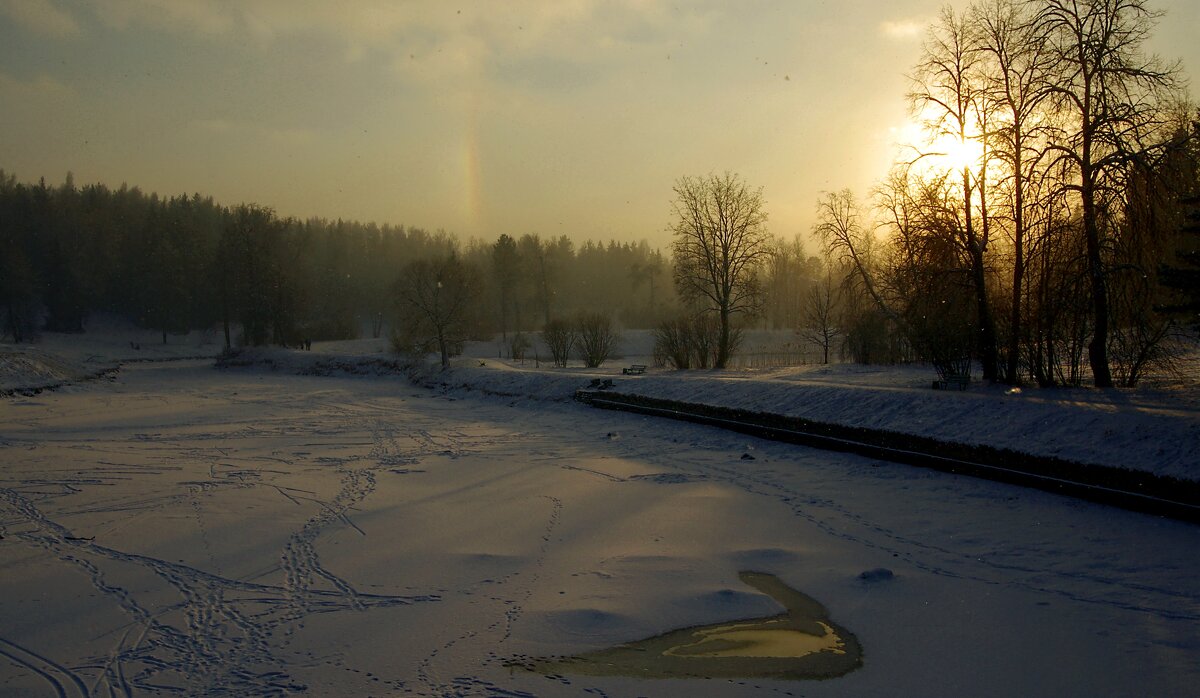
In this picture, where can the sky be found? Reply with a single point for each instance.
(571, 117)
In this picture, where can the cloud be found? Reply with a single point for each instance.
(245, 129)
(41, 16)
(903, 29)
(290, 136)
(206, 17)
(435, 43)
(41, 89)
(215, 125)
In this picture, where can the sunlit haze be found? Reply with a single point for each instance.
(571, 117)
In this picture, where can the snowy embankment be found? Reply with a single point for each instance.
(1154, 429)
(1151, 430)
(57, 360)
(30, 370)
(1110, 430)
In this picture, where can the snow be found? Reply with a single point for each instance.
(251, 531)
(62, 359)
(1154, 429)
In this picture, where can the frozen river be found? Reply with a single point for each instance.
(188, 531)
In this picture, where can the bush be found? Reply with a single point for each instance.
(597, 338)
(687, 342)
(869, 338)
(560, 337)
(673, 343)
(518, 346)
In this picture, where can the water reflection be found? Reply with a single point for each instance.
(758, 640)
(802, 643)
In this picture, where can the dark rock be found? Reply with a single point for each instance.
(879, 574)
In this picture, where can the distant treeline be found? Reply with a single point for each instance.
(187, 262)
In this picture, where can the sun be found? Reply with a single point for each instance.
(957, 154)
(937, 152)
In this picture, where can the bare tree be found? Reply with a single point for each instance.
(1015, 90)
(597, 338)
(787, 277)
(949, 88)
(721, 240)
(819, 319)
(1113, 97)
(673, 343)
(840, 230)
(434, 300)
(560, 337)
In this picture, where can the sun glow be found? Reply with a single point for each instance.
(932, 147)
(957, 154)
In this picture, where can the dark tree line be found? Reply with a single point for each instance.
(186, 262)
(181, 263)
(535, 281)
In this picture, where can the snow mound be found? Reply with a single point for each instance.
(29, 369)
(305, 363)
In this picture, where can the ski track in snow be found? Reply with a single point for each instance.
(204, 629)
(233, 629)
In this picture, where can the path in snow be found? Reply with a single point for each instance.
(184, 530)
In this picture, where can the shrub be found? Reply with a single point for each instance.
(518, 346)
(692, 341)
(597, 338)
(673, 343)
(560, 337)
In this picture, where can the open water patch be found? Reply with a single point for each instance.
(802, 643)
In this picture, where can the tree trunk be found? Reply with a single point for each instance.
(225, 318)
(723, 341)
(1014, 338)
(14, 324)
(985, 325)
(1014, 329)
(444, 350)
(504, 313)
(1098, 347)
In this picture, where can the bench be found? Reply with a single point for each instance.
(953, 369)
(634, 370)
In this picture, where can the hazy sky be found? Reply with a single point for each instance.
(554, 117)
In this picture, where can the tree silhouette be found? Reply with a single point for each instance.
(950, 85)
(434, 301)
(720, 242)
(1113, 98)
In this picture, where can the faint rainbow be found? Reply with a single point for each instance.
(472, 168)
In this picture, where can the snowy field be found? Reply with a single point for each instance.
(181, 530)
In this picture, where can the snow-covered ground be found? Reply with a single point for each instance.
(63, 359)
(1155, 428)
(182, 530)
